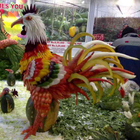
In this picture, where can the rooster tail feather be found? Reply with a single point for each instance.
(73, 63)
(65, 56)
(73, 86)
(100, 92)
(89, 67)
(82, 63)
(75, 39)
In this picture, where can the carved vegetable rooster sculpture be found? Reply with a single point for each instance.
(51, 77)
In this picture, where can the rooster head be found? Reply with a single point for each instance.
(33, 26)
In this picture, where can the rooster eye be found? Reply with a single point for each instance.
(28, 18)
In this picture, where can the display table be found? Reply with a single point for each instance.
(12, 124)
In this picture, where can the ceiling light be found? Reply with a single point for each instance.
(125, 2)
(83, 2)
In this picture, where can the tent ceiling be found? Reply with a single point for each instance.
(118, 8)
(105, 8)
(67, 3)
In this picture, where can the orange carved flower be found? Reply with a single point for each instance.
(139, 115)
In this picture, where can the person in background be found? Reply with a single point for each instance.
(129, 44)
(129, 37)
(124, 26)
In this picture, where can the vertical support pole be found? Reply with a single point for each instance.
(91, 18)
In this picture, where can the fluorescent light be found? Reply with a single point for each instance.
(83, 2)
(58, 1)
(125, 2)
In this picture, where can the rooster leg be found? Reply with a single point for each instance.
(42, 107)
(32, 129)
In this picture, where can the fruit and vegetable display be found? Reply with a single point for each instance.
(58, 20)
(50, 77)
(11, 80)
(49, 120)
(82, 121)
(10, 50)
(10, 53)
(7, 102)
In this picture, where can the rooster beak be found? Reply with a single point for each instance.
(19, 21)
(9, 70)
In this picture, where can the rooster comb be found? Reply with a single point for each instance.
(31, 9)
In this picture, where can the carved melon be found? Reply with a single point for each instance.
(49, 120)
(7, 103)
(11, 80)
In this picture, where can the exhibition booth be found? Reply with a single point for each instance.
(61, 78)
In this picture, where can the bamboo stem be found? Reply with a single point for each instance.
(60, 29)
(53, 21)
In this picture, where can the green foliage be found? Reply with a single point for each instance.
(59, 20)
(3, 54)
(2, 35)
(4, 64)
(132, 131)
(12, 54)
(85, 120)
(111, 103)
(13, 58)
(135, 109)
(9, 59)
(136, 106)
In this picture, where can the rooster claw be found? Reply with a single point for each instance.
(26, 130)
(29, 131)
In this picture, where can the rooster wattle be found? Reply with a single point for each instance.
(51, 77)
